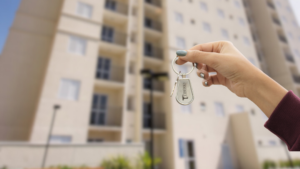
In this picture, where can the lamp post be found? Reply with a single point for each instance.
(55, 108)
(287, 154)
(148, 74)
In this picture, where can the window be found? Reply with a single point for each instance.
(239, 108)
(288, 9)
(290, 35)
(237, 4)
(202, 106)
(226, 156)
(148, 49)
(206, 27)
(146, 115)
(60, 139)
(192, 21)
(69, 89)
(187, 151)
(242, 21)
(295, 24)
(103, 68)
(278, 3)
(284, 19)
(99, 109)
(252, 112)
(111, 5)
(225, 33)
(221, 13)
(178, 17)
(180, 42)
(131, 68)
(219, 109)
(246, 41)
(107, 34)
(203, 6)
(186, 109)
(297, 53)
(84, 10)
(148, 22)
(77, 45)
(272, 142)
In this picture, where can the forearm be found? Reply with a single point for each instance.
(266, 93)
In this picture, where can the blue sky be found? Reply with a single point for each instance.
(9, 7)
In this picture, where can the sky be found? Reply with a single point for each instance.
(8, 9)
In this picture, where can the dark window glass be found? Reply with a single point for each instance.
(109, 4)
(190, 148)
(107, 34)
(103, 68)
(148, 49)
(148, 22)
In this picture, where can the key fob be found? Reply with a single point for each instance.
(184, 94)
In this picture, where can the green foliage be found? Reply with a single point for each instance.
(4, 167)
(269, 164)
(119, 162)
(145, 161)
(296, 162)
(284, 163)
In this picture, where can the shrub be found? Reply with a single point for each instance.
(119, 162)
(145, 161)
(269, 164)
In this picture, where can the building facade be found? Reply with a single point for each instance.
(86, 55)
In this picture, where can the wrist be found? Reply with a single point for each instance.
(265, 93)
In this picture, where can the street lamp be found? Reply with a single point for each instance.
(150, 75)
(288, 154)
(55, 108)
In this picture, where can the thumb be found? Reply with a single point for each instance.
(197, 56)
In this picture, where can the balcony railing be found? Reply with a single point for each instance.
(154, 2)
(270, 4)
(290, 58)
(115, 74)
(158, 121)
(115, 37)
(275, 20)
(151, 24)
(112, 116)
(157, 85)
(296, 78)
(154, 52)
(116, 6)
(282, 38)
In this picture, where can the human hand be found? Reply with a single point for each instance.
(233, 70)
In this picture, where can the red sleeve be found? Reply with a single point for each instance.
(285, 121)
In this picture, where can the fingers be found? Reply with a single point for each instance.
(196, 56)
(211, 47)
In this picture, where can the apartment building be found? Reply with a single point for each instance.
(86, 55)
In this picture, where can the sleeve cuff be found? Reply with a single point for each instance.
(285, 121)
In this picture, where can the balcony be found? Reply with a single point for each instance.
(270, 4)
(156, 3)
(296, 78)
(153, 25)
(289, 58)
(114, 74)
(157, 85)
(153, 52)
(158, 121)
(106, 117)
(275, 20)
(118, 7)
(109, 35)
(282, 39)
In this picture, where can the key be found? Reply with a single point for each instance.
(175, 84)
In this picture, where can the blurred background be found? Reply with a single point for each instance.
(87, 83)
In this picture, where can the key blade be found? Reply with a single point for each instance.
(173, 89)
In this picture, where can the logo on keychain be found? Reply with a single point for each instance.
(184, 94)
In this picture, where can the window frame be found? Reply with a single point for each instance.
(65, 84)
(84, 6)
(74, 42)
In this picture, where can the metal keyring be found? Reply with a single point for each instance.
(174, 62)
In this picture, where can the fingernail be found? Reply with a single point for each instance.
(206, 83)
(202, 75)
(181, 52)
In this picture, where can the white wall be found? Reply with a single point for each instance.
(26, 155)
